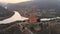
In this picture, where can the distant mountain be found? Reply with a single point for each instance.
(39, 7)
(43, 4)
(3, 4)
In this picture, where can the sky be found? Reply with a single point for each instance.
(16, 1)
(13, 1)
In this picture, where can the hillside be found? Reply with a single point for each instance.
(41, 8)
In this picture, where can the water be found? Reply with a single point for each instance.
(15, 17)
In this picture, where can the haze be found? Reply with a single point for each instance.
(13, 1)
